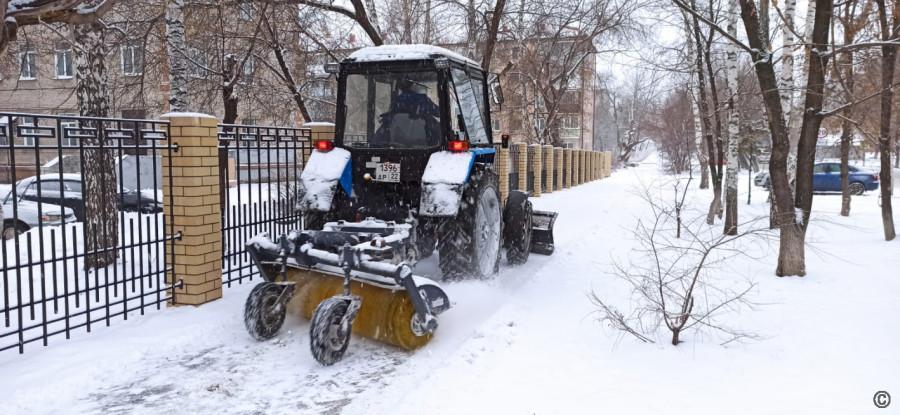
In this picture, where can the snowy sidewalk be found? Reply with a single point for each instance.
(524, 342)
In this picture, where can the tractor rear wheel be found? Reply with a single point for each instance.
(469, 244)
(517, 220)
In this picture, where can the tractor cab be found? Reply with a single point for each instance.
(396, 106)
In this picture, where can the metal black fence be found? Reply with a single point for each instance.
(514, 167)
(259, 171)
(68, 265)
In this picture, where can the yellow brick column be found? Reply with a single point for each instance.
(522, 166)
(558, 163)
(537, 163)
(502, 163)
(195, 209)
(568, 167)
(608, 164)
(584, 165)
(549, 154)
(595, 163)
(576, 167)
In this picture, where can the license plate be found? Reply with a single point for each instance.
(387, 172)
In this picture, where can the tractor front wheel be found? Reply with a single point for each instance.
(327, 339)
(469, 244)
(264, 310)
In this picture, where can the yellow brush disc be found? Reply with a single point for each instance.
(384, 315)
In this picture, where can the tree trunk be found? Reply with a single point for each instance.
(706, 126)
(731, 184)
(717, 153)
(790, 260)
(812, 120)
(792, 251)
(176, 48)
(491, 37)
(229, 98)
(98, 178)
(846, 126)
(888, 61)
(702, 158)
(786, 90)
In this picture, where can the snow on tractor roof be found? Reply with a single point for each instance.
(406, 52)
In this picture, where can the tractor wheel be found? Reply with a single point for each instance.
(517, 222)
(327, 340)
(264, 311)
(425, 240)
(469, 244)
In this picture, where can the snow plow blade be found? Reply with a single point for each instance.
(542, 232)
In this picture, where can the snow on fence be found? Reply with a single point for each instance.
(262, 201)
(61, 275)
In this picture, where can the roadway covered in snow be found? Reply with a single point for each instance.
(525, 342)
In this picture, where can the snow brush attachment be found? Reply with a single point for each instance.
(333, 279)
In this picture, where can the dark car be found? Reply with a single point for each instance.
(67, 192)
(827, 178)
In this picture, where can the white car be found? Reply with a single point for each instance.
(28, 215)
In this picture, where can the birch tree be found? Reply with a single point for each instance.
(175, 48)
(731, 202)
(20, 13)
(889, 23)
(98, 179)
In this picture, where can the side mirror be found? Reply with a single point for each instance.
(496, 90)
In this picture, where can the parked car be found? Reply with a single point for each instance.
(762, 179)
(29, 216)
(67, 192)
(827, 178)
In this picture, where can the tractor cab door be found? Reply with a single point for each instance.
(469, 113)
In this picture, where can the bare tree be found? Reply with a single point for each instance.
(673, 280)
(731, 202)
(20, 13)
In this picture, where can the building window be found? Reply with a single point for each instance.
(198, 63)
(132, 59)
(495, 124)
(248, 69)
(63, 57)
(67, 123)
(246, 11)
(28, 65)
(569, 125)
(27, 133)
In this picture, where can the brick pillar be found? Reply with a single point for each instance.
(522, 166)
(594, 164)
(537, 163)
(576, 167)
(608, 164)
(584, 165)
(195, 210)
(568, 166)
(502, 163)
(558, 163)
(549, 154)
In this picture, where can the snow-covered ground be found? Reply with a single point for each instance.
(525, 342)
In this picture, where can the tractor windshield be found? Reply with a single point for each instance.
(392, 110)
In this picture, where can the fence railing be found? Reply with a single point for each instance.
(262, 202)
(85, 239)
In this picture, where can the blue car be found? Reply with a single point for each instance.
(827, 178)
